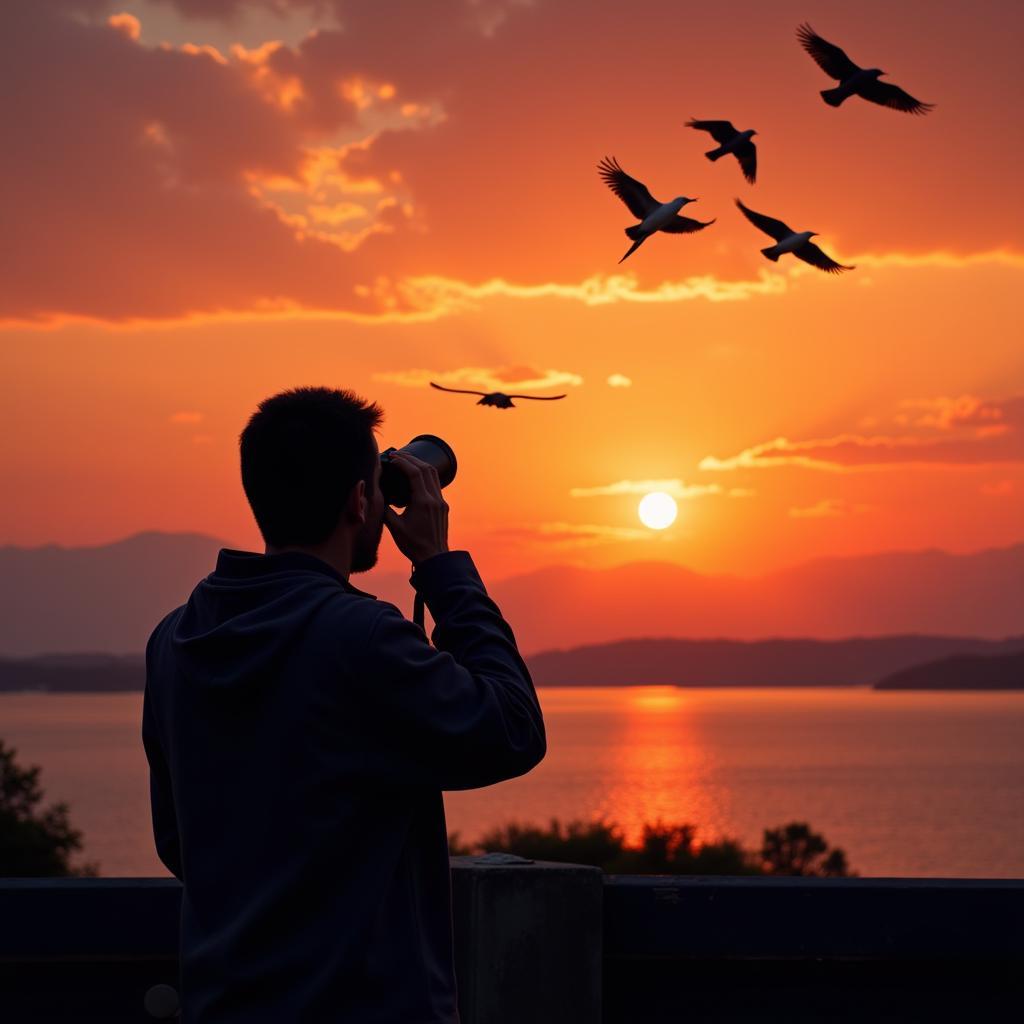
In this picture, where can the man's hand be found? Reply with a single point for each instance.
(422, 530)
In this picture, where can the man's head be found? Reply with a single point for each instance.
(310, 465)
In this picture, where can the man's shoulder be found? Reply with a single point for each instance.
(349, 612)
(163, 626)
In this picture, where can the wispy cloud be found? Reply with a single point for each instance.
(944, 413)
(415, 299)
(827, 508)
(451, 295)
(619, 380)
(577, 534)
(485, 378)
(974, 432)
(429, 298)
(674, 487)
(942, 259)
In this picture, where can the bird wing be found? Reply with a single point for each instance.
(769, 225)
(720, 131)
(686, 225)
(827, 56)
(810, 253)
(456, 391)
(888, 95)
(747, 156)
(539, 398)
(632, 192)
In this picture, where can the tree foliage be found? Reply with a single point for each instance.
(664, 849)
(794, 849)
(34, 842)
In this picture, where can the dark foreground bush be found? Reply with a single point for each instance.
(34, 843)
(664, 849)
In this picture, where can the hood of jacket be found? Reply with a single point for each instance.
(243, 620)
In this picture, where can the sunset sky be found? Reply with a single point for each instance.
(208, 201)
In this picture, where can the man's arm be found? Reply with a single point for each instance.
(459, 716)
(462, 715)
(165, 823)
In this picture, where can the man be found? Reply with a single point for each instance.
(299, 734)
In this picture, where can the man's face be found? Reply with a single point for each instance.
(367, 541)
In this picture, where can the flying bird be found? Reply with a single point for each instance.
(854, 80)
(653, 216)
(787, 240)
(730, 141)
(497, 398)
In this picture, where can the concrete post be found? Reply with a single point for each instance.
(527, 940)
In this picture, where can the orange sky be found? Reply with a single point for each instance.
(203, 211)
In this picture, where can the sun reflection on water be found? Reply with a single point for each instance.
(661, 769)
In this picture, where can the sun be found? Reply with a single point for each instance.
(658, 510)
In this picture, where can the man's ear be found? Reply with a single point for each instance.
(357, 505)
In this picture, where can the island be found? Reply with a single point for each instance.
(961, 672)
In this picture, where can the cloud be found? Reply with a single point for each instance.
(979, 432)
(230, 9)
(576, 534)
(445, 295)
(619, 380)
(827, 508)
(210, 180)
(227, 183)
(482, 378)
(941, 259)
(384, 301)
(126, 23)
(598, 290)
(485, 15)
(314, 178)
(186, 417)
(777, 452)
(949, 413)
(675, 487)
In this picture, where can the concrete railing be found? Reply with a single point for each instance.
(541, 943)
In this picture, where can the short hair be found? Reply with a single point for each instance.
(302, 452)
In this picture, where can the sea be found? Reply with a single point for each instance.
(907, 783)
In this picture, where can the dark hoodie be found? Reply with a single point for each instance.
(299, 734)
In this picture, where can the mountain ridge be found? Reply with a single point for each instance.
(109, 597)
(651, 661)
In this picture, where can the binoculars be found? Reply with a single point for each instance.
(394, 484)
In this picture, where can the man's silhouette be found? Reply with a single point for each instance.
(300, 732)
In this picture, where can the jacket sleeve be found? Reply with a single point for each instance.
(462, 714)
(165, 822)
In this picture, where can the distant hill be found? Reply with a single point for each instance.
(671, 662)
(105, 598)
(927, 592)
(109, 598)
(74, 673)
(858, 661)
(961, 672)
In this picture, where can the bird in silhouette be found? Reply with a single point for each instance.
(730, 141)
(653, 216)
(497, 398)
(787, 240)
(854, 80)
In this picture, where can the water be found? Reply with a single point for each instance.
(911, 783)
